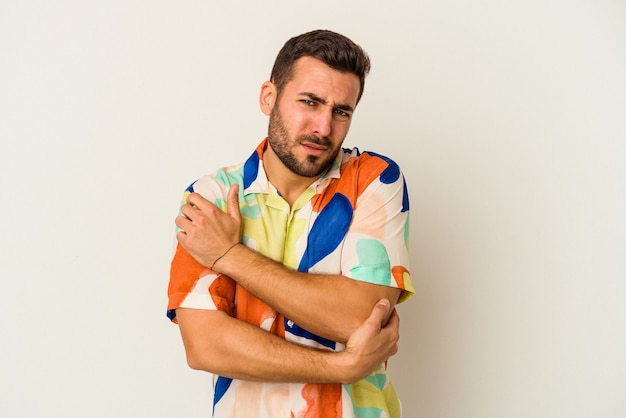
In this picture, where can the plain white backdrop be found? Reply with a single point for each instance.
(506, 117)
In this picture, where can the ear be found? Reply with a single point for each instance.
(267, 97)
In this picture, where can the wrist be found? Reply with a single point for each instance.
(345, 369)
(228, 250)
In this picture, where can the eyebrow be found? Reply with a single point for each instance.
(316, 98)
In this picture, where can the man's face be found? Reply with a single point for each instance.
(312, 116)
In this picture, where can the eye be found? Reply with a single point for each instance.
(342, 113)
(307, 102)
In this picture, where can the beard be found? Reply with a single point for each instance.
(278, 138)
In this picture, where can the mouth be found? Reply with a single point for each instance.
(314, 148)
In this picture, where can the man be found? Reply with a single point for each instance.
(289, 265)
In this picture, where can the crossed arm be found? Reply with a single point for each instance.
(219, 343)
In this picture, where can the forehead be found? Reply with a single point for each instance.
(311, 75)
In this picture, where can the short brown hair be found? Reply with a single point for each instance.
(333, 49)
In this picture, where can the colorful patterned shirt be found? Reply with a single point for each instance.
(352, 221)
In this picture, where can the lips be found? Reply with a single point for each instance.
(314, 149)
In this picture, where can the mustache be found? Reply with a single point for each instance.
(323, 141)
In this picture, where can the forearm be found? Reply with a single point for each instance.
(218, 343)
(331, 306)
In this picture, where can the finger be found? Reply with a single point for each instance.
(182, 222)
(197, 200)
(394, 320)
(188, 211)
(379, 313)
(392, 329)
(233, 202)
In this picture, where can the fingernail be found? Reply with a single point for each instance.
(384, 302)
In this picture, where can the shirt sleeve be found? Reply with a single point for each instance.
(191, 284)
(376, 248)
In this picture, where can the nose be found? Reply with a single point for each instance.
(322, 123)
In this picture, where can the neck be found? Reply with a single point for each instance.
(289, 184)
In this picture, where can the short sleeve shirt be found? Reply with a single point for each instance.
(352, 221)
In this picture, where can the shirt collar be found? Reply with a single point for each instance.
(256, 181)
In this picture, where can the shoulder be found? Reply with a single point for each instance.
(374, 174)
(370, 164)
(218, 182)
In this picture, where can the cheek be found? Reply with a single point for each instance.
(300, 120)
(340, 129)
(292, 119)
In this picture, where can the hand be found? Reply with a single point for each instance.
(373, 342)
(206, 232)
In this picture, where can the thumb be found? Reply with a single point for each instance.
(379, 314)
(233, 202)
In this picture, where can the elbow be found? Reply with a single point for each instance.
(198, 359)
(195, 363)
(218, 365)
(208, 359)
(198, 331)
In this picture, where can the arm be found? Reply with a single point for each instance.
(208, 232)
(321, 298)
(220, 344)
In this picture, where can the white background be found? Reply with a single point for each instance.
(507, 118)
